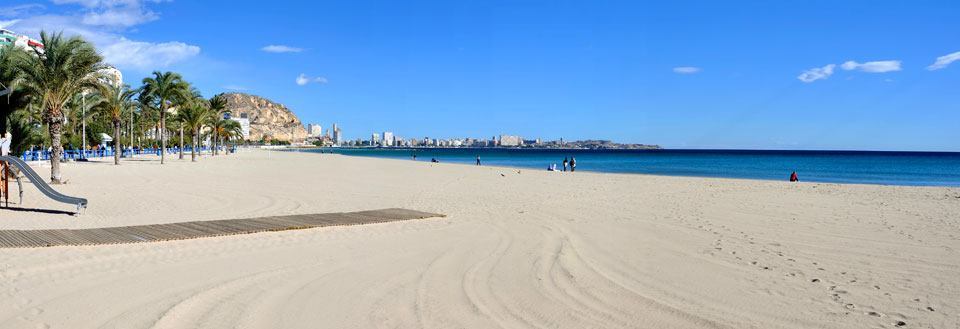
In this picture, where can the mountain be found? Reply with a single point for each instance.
(268, 120)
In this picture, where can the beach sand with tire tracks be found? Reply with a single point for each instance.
(533, 249)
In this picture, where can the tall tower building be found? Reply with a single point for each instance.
(387, 138)
(337, 137)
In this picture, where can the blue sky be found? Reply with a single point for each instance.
(682, 74)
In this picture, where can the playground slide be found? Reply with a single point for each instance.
(42, 185)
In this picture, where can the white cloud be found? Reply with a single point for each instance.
(816, 73)
(303, 80)
(5, 24)
(686, 70)
(104, 31)
(943, 61)
(147, 56)
(872, 67)
(20, 10)
(281, 49)
(125, 17)
(116, 13)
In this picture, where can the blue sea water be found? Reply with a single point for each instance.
(862, 167)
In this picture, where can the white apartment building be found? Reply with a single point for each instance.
(314, 130)
(509, 140)
(388, 138)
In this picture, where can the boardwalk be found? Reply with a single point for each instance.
(192, 230)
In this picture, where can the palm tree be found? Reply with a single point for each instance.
(224, 129)
(115, 102)
(194, 115)
(218, 108)
(148, 116)
(63, 69)
(230, 131)
(80, 111)
(165, 89)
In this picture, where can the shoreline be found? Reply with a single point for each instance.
(785, 179)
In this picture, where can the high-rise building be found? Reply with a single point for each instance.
(314, 130)
(388, 138)
(374, 139)
(337, 136)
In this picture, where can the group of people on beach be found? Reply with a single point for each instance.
(571, 162)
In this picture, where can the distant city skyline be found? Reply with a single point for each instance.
(844, 75)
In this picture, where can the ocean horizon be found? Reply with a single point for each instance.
(909, 168)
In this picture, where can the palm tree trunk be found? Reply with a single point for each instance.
(56, 129)
(116, 143)
(193, 150)
(163, 132)
(181, 143)
(216, 141)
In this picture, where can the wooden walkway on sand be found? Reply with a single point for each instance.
(192, 230)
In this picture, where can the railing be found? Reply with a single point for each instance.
(104, 153)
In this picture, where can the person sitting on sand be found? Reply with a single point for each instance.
(434, 160)
(794, 178)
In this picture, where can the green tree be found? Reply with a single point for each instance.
(116, 102)
(218, 109)
(194, 115)
(65, 67)
(165, 89)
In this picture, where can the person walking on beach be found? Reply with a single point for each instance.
(565, 164)
(573, 164)
(794, 178)
(478, 160)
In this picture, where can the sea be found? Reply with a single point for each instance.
(860, 167)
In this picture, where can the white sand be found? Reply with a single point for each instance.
(528, 250)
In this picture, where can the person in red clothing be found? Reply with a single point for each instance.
(794, 178)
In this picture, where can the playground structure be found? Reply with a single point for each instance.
(8, 162)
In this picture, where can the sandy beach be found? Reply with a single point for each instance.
(518, 249)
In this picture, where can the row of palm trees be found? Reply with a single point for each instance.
(47, 84)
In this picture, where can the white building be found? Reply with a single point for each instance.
(314, 130)
(388, 138)
(112, 76)
(19, 41)
(244, 122)
(374, 139)
(337, 137)
(509, 140)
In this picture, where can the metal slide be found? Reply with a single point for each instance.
(42, 185)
